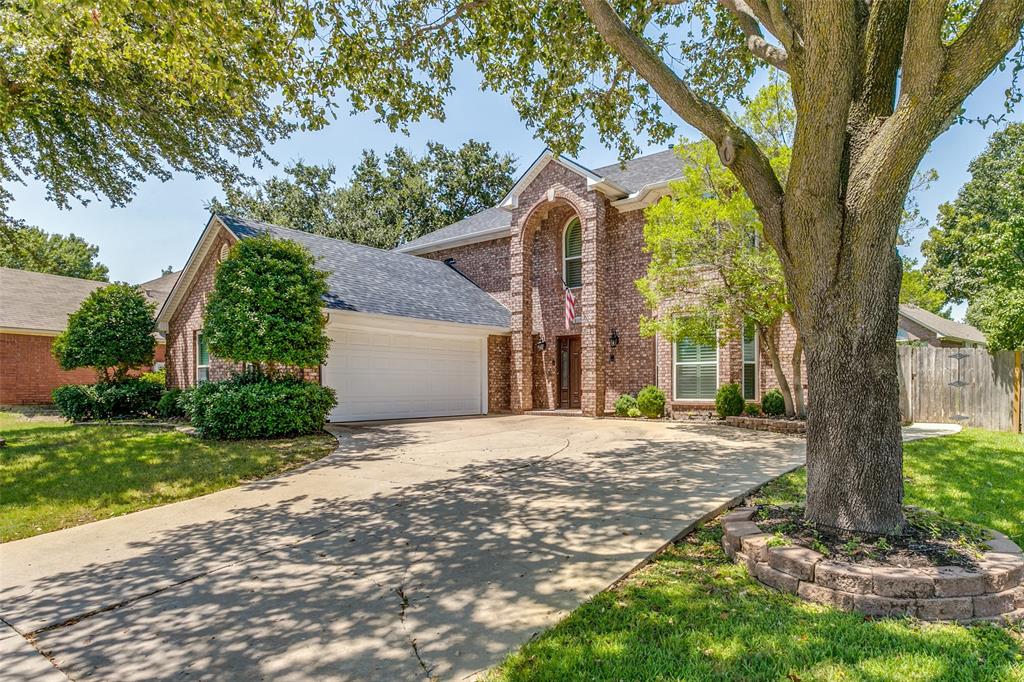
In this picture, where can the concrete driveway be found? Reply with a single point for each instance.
(418, 549)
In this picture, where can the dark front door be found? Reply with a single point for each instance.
(569, 373)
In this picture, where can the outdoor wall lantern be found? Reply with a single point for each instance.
(542, 345)
(613, 340)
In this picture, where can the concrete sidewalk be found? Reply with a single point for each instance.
(417, 549)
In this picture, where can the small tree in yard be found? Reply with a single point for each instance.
(112, 331)
(265, 307)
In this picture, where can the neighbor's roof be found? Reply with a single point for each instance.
(633, 181)
(368, 280)
(157, 290)
(38, 302)
(944, 328)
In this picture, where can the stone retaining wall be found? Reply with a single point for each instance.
(994, 592)
(790, 426)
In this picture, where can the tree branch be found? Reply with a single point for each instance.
(750, 24)
(741, 154)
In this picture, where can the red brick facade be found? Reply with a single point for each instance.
(29, 372)
(524, 273)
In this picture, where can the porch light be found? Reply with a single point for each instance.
(613, 340)
(542, 345)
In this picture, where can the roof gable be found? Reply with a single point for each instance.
(594, 181)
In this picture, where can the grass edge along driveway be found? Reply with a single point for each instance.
(55, 475)
(691, 614)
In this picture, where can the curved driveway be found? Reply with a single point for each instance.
(418, 549)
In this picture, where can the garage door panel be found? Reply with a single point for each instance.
(383, 375)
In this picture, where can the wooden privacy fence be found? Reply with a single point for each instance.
(967, 386)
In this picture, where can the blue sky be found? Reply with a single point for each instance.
(160, 226)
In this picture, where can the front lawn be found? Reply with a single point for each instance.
(55, 475)
(693, 615)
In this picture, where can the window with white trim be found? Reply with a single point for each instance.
(202, 359)
(749, 361)
(572, 254)
(696, 370)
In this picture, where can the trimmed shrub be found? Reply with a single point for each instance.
(623, 404)
(729, 401)
(169, 406)
(248, 406)
(651, 402)
(76, 402)
(752, 410)
(773, 404)
(126, 399)
(634, 412)
(158, 377)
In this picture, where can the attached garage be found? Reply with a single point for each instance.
(420, 371)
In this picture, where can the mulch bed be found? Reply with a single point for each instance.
(928, 540)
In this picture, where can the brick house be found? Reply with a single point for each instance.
(34, 308)
(470, 318)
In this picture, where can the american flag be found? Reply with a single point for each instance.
(570, 308)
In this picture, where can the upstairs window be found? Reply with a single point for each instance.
(696, 371)
(572, 254)
(749, 361)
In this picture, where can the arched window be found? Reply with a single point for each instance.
(572, 254)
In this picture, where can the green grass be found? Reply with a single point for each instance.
(693, 615)
(55, 475)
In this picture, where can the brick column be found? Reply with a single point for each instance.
(521, 307)
(591, 302)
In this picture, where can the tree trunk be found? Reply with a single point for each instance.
(854, 446)
(799, 409)
(770, 338)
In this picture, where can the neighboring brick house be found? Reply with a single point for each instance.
(560, 222)
(918, 325)
(34, 308)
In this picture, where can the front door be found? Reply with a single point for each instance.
(569, 373)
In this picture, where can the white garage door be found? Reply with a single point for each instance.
(394, 375)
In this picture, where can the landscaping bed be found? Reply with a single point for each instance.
(775, 425)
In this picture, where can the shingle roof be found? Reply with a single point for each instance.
(942, 326)
(633, 176)
(157, 290)
(36, 301)
(368, 280)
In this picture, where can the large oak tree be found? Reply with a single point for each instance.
(874, 83)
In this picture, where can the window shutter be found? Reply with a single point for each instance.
(573, 239)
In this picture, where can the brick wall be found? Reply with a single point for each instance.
(29, 373)
(499, 377)
(486, 263)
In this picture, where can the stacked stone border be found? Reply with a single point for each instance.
(789, 426)
(993, 593)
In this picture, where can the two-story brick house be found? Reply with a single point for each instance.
(483, 327)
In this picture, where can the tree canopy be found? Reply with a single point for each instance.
(265, 307)
(918, 289)
(30, 248)
(388, 200)
(112, 329)
(976, 251)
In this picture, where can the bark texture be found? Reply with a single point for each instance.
(873, 85)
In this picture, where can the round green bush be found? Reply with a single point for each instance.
(729, 401)
(651, 402)
(257, 407)
(129, 398)
(773, 404)
(623, 404)
(752, 410)
(634, 412)
(169, 406)
(77, 402)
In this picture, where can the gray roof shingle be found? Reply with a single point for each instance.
(633, 176)
(368, 280)
(942, 326)
(37, 301)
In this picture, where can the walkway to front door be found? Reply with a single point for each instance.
(569, 373)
